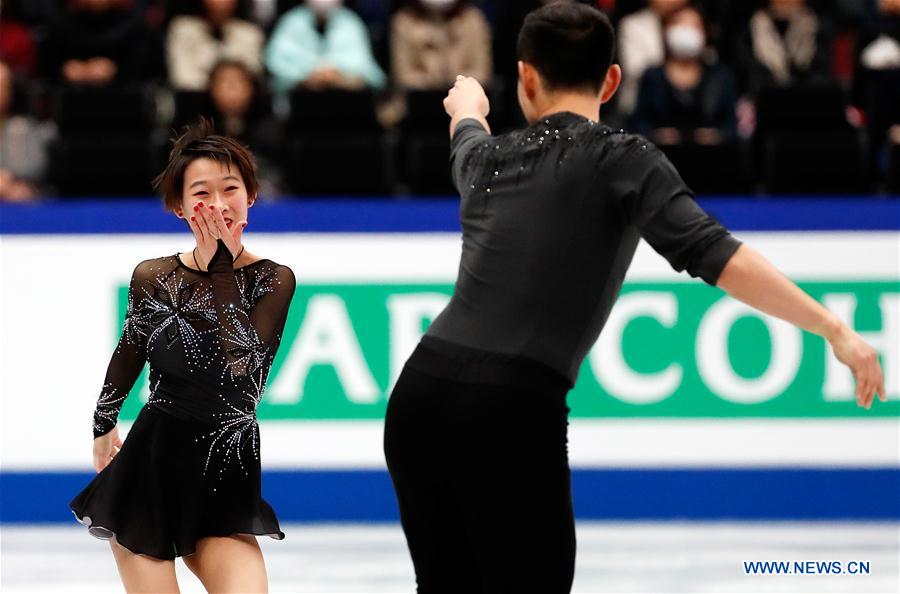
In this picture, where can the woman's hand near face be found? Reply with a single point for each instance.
(206, 243)
(208, 225)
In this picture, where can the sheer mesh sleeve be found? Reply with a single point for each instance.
(129, 357)
(249, 334)
(658, 203)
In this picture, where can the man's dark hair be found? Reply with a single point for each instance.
(571, 45)
(197, 142)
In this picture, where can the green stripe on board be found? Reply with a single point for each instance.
(668, 350)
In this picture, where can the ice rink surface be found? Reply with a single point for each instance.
(612, 557)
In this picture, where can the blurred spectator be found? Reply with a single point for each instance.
(686, 99)
(98, 42)
(877, 84)
(322, 45)
(16, 44)
(434, 40)
(235, 98)
(196, 42)
(785, 43)
(241, 110)
(23, 145)
(641, 46)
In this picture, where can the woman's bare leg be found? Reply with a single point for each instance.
(144, 574)
(229, 564)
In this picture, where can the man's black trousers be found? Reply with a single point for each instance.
(482, 480)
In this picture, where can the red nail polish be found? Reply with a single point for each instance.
(193, 219)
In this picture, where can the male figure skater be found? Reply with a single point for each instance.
(475, 433)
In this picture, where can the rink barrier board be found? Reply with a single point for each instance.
(764, 494)
(313, 495)
(802, 419)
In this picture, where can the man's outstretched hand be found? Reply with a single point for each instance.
(466, 99)
(862, 359)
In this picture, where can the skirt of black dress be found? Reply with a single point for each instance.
(175, 482)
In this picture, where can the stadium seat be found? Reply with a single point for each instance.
(333, 111)
(710, 169)
(189, 106)
(424, 145)
(801, 107)
(893, 171)
(335, 145)
(823, 162)
(106, 145)
(338, 164)
(93, 111)
(804, 143)
(120, 165)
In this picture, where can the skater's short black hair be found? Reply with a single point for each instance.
(200, 141)
(571, 45)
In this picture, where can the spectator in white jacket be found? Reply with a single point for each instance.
(196, 43)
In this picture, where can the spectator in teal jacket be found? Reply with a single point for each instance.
(322, 45)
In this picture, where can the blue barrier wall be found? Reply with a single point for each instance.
(428, 215)
(605, 494)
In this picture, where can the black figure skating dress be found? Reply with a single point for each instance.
(190, 465)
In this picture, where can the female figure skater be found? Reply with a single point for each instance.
(186, 481)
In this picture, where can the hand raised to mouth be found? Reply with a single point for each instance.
(208, 225)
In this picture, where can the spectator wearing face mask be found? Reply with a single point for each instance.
(322, 45)
(686, 99)
(641, 47)
(432, 41)
(785, 43)
(196, 42)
